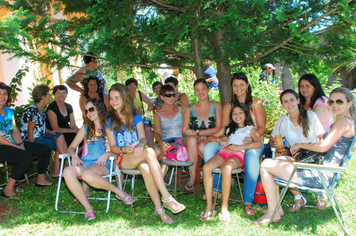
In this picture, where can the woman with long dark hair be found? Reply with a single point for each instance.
(312, 97)
(242, 94)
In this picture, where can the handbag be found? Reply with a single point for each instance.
(308, 156)
(179, 153)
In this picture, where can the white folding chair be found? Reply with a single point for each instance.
(112, 173)
(234, 172)
(327, 188)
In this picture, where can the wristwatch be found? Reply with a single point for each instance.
(198, 132)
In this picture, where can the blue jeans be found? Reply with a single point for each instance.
(252, 168)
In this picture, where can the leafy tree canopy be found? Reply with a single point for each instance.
(146, 33)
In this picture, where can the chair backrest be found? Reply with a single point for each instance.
(345, 160)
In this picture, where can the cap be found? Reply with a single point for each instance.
(269, 65)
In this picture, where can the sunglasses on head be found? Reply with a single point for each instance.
(338, 102)
(90, 109)
(168, 95)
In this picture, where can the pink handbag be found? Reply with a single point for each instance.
(179, 153)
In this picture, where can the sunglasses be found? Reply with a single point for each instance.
(338, 102)
(90, 109)
(168, 95)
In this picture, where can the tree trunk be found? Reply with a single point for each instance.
(287, 82)
(223, 64)
(198, 65)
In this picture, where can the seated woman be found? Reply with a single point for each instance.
(200, 120)
(312, 97)
(33, 125)
(60, 115)
(298, 126)
(13, 150)
(91, 90)
(168, 123)
(336, 142)
(182, 99)
(127, 138)
(94, 163)
(230, 157)
(242, 94)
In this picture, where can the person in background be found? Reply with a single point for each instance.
(181, 98)
(139, 98)
(91, 88)
(16, 151)
(267, 70)
(60, 115)
(157, 102)
(210, 75)
(90, 69)
(312, 97)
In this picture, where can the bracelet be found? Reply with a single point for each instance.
(218, 139)
(19, 144)
(198, 132)
(122, 150)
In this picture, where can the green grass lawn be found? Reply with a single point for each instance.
(35, 214)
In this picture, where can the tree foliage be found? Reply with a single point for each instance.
(146, 33)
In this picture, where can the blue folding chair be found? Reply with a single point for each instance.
(327, 188)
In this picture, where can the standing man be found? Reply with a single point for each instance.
(267, 69)
(210, 75)
(90, 69)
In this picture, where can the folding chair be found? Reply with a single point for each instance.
(113, 172)
(234, 172)
(133, 173)
(328, 189)
(175, 165)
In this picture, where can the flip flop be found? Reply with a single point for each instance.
(43, 185)
(16, 197)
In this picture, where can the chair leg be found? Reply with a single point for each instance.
(217, 190)
(238, 182)
(197, 176)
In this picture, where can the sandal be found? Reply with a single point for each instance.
(189, 187)
(299, 201)
(224, 218)
(170, 199)
(321, 203)
(127, 200)
(90, 215)
(249, 210)
(11, 197)
(164, 217)
(204, 216)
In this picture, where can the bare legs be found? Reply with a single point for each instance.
(271, 168)
(226, 168)
(61, 148)
(92, 176)
(151, 171)
(192, 146)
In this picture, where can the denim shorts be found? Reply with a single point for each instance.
(49, 140)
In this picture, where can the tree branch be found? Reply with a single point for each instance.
(167, 6)
(184, 55)
(284, 42)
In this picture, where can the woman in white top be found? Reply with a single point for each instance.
(298, 126)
